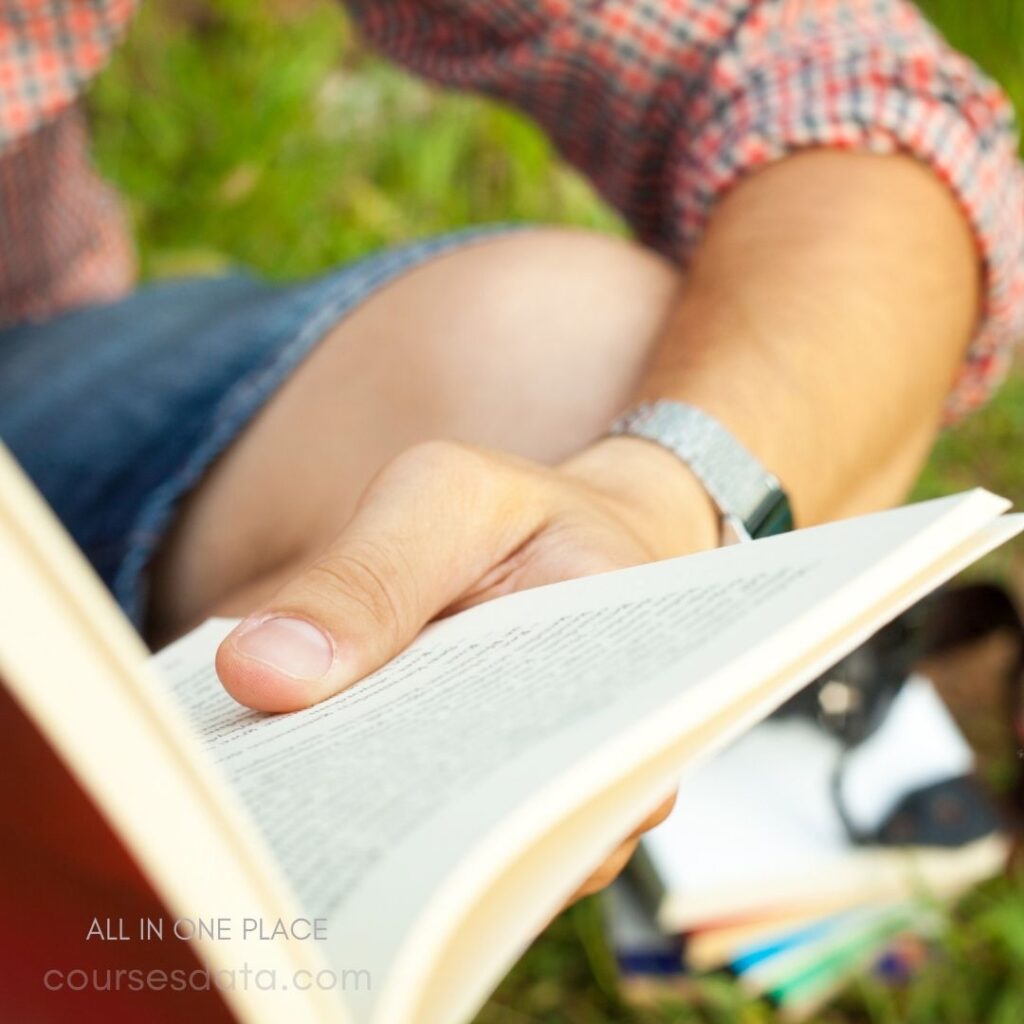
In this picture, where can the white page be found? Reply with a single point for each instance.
(371, 799)
(416, 737)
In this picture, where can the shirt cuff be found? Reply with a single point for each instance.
(934, 106)
(49, 52)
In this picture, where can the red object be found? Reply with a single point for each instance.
(61, 867)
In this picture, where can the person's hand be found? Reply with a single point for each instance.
(445, 526)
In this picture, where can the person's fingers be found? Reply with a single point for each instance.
(608, 871)
(613, 866)
(656, 817)
(437, 519)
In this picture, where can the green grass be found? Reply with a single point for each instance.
(257, 132)
(241, 136)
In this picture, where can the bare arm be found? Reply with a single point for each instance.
(824, 320)
(829, 299)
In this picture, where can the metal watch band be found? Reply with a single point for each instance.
(750, 499)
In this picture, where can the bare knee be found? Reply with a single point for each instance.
(528, 342)
(558, 324)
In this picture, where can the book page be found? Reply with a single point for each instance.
(372, 799)
(437, 721)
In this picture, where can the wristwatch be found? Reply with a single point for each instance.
(750, 500)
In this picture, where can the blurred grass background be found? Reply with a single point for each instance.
(259, 132)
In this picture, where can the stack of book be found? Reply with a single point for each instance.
(756, 870)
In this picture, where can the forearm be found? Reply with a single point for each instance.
(827, 311)
(832, 294)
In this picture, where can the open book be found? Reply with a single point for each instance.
(436, 815)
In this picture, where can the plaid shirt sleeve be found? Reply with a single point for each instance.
(666, 104)
(63, 240)
(49, 50)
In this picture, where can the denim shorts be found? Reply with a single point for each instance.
(116, 411)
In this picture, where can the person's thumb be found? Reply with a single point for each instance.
(432, 524)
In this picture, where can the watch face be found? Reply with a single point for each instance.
(746, 494)
(773, 516)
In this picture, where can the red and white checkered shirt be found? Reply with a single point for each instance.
(664, 104)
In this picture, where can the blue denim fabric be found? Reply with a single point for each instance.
(115, 411)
